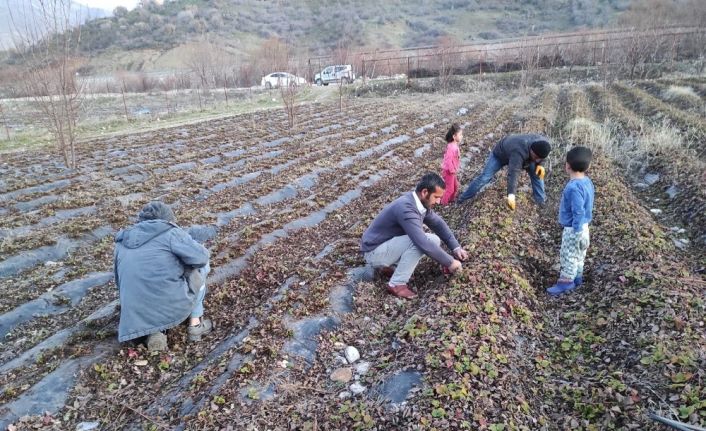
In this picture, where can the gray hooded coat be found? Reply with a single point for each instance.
(151, 258)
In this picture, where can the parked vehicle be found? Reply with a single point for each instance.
(338, 73)
(279, 79)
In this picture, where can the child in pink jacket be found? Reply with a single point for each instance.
(451, 164)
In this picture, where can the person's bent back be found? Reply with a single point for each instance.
(153, 261)
(395, 241)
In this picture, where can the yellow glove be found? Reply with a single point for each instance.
(511, 202)
(540, 172)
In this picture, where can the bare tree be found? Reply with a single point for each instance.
(341, 55)
(272, 56)
(290, 95)
(202, 62)
(47, 44)
(445, 52)
(4, 122)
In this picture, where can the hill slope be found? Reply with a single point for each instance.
(16, 14)
(244, 24)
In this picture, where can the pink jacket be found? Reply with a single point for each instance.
(452, 158)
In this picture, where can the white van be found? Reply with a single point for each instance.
(338, 73)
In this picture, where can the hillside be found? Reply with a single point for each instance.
(16, 14)
(241, 25)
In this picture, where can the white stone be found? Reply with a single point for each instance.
(362, 367)
(656, 211)
(357, 388)
(352, 354)
(87, 426)
(343, 395)
(681, 243)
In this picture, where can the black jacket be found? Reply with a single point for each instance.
(514, 151)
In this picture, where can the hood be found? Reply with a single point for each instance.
(142, 233)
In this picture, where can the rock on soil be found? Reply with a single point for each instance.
(362, 367)
(650, 179)
(352, 354)
(357, 388)
(672, 192)
(343, 375)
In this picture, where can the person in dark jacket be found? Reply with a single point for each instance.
(160, 272)
(517, 152)
(396, 236)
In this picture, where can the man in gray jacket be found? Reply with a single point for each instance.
(517, 152)
(160, 272)
(396, 236)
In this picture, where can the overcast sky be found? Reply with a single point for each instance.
(108, 4)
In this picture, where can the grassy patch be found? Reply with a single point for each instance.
(116, 124)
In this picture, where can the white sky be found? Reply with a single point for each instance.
(108, 4)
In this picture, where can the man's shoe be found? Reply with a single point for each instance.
(203, 328)
(578, 281)
(157, 342)
(401, 291)
(561, 287)
(385, 271)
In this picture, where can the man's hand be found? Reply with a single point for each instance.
(511, 202)
(455, 266)
(460, 254)
(540, 172)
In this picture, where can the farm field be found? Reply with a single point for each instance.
(282, 212)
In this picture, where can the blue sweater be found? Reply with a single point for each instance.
(402, 217)
(576, 206)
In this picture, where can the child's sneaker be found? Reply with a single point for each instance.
(578, 281)
(203, 328)
(561, 287)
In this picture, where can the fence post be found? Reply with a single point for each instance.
(363, 67)
(605, 66)
(4, 121)
(122, 90)
(408, 75)
(482, 59)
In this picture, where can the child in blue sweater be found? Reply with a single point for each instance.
(575, 213)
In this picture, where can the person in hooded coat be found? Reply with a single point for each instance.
(160, 272)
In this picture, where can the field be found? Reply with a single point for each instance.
(282, 212)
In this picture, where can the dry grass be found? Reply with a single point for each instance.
(664, 138)
(628, 151)
(583, 131)
(681, 93)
